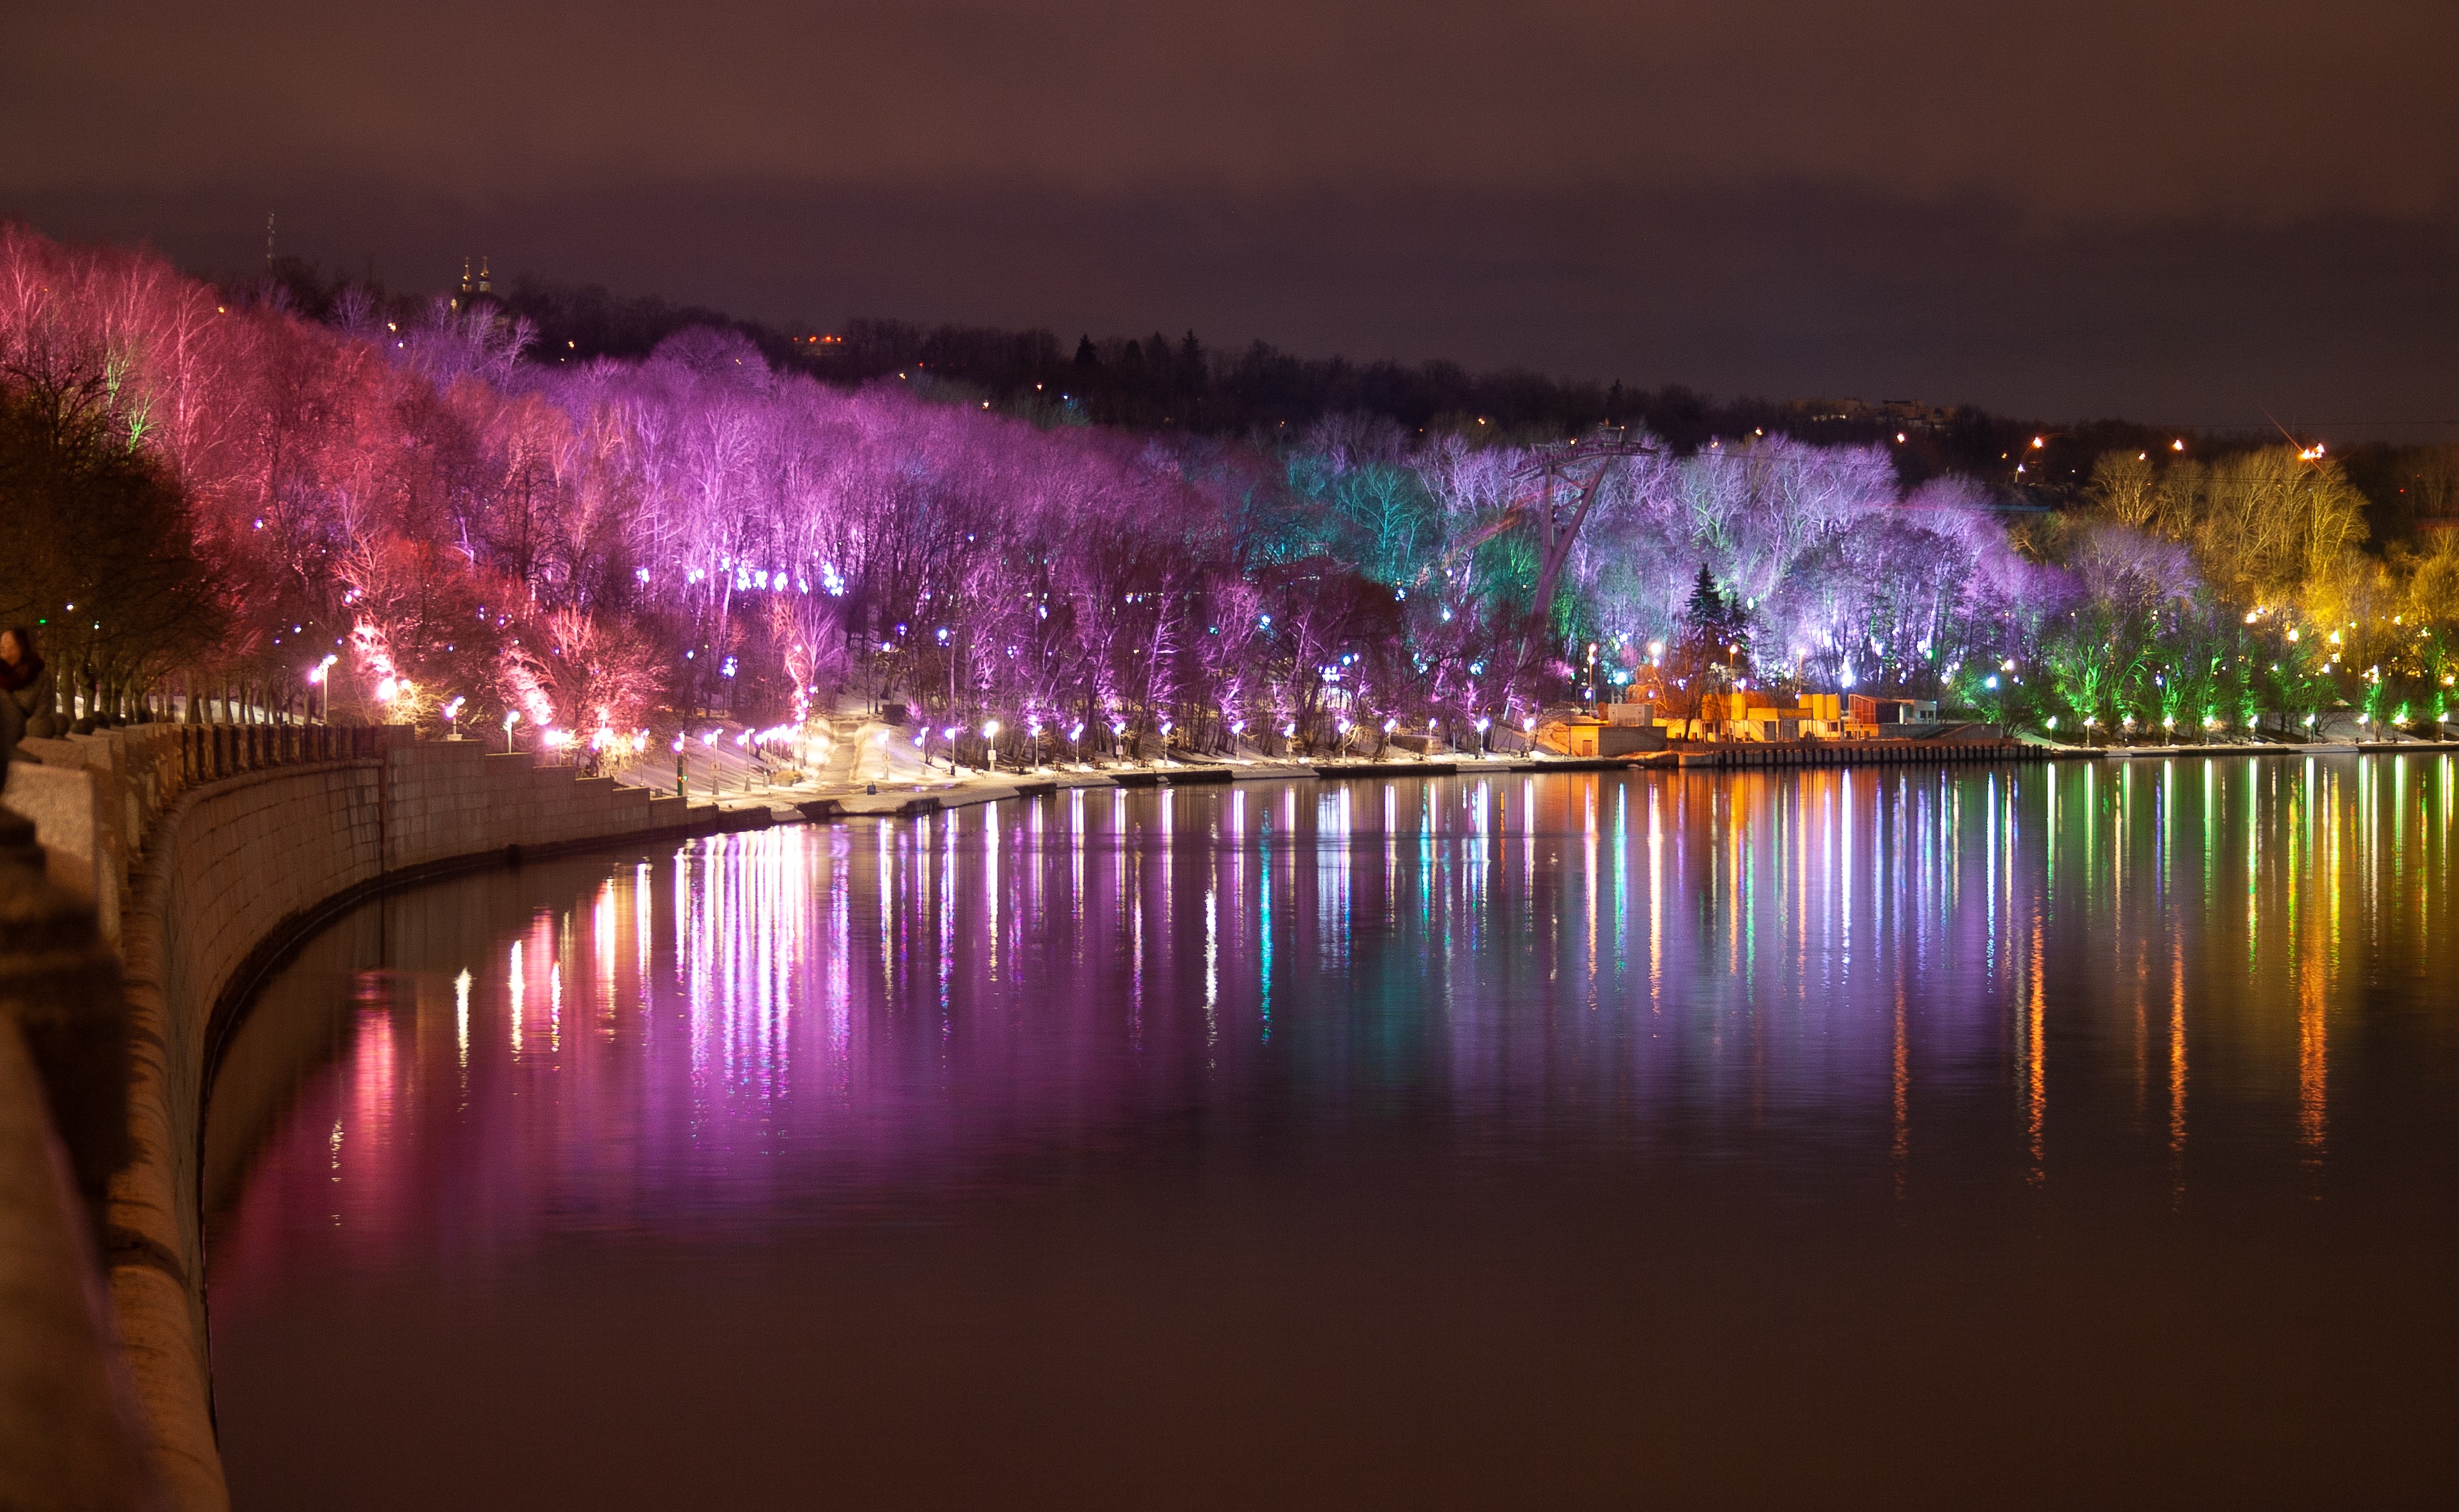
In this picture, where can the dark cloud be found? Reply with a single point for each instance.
(2195, 211)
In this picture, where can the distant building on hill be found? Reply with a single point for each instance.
(1907, 414)
(474, 291)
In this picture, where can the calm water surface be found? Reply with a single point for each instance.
(2035, 1136)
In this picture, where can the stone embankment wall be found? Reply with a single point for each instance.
(70, 1432)
(234, 873)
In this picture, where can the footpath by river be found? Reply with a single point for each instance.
(876, 769)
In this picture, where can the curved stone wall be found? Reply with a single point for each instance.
(235, 875)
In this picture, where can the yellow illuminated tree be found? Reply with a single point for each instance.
(2277, 523)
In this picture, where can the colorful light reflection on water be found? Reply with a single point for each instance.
(2166, 1006)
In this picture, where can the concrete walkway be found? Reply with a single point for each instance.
(820, 799)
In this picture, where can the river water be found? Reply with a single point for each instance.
(2012, 1138)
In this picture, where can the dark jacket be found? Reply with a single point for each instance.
(25, 691)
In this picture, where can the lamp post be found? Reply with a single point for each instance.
(323, 673)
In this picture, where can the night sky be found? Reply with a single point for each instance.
(2190, 212)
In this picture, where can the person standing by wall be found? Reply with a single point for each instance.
(25, 690)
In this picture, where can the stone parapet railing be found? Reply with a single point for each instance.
(95, 798)
(71, 1433)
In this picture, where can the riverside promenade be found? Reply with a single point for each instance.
(150, 878)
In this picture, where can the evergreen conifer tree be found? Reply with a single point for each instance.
(1706, 611)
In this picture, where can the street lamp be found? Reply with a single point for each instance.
(323, 673)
